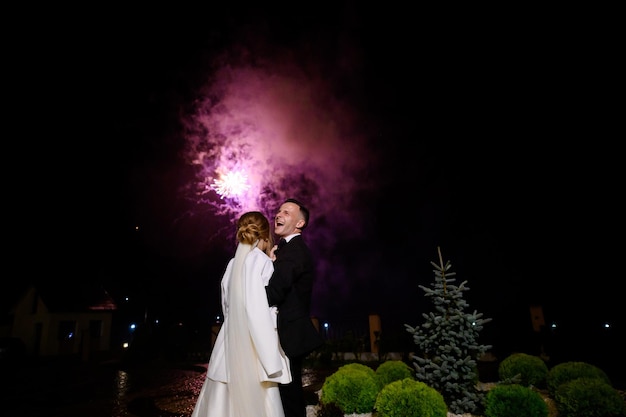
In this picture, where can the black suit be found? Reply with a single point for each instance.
(290, 290)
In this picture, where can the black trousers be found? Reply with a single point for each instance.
(292, 394)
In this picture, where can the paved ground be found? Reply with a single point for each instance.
(97, 390)
(75, 389)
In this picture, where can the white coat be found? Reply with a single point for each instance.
(272, 363)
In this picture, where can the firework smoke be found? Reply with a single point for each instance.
(289, 137)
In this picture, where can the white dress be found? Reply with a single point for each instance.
(247, 362)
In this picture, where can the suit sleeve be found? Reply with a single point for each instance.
(281, 282)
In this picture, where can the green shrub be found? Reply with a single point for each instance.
(353, 388)
(359, 367)
(588, 397)
(391, 371)
(409, 398)
(568, 371)
(532, 370)
(514, 400)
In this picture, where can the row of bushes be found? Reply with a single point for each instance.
(579, 389)
(391, 390)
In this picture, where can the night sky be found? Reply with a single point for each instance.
(493, 135)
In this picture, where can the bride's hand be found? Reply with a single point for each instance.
(272, 253)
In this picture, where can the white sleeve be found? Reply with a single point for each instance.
(224, 288)
(258, 269)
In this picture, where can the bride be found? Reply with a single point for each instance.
(247, 362)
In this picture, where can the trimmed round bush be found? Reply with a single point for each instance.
(568, 371)
(523, 369)
(392, 370)
(588, 397)
(408, 398)
(355, 366)
(514, 400)
(353, 388)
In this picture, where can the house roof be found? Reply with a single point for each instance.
(75, 298)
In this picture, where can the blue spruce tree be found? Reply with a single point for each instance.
(447, 343)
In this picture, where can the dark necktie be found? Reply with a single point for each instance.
(282, 242)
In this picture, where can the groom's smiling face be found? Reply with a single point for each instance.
(287, 220)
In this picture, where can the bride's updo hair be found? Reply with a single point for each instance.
(253, 226)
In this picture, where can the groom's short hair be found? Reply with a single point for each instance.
(303, 210)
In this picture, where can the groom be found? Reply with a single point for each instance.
(290, 290)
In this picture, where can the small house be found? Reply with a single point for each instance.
(64, 320)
